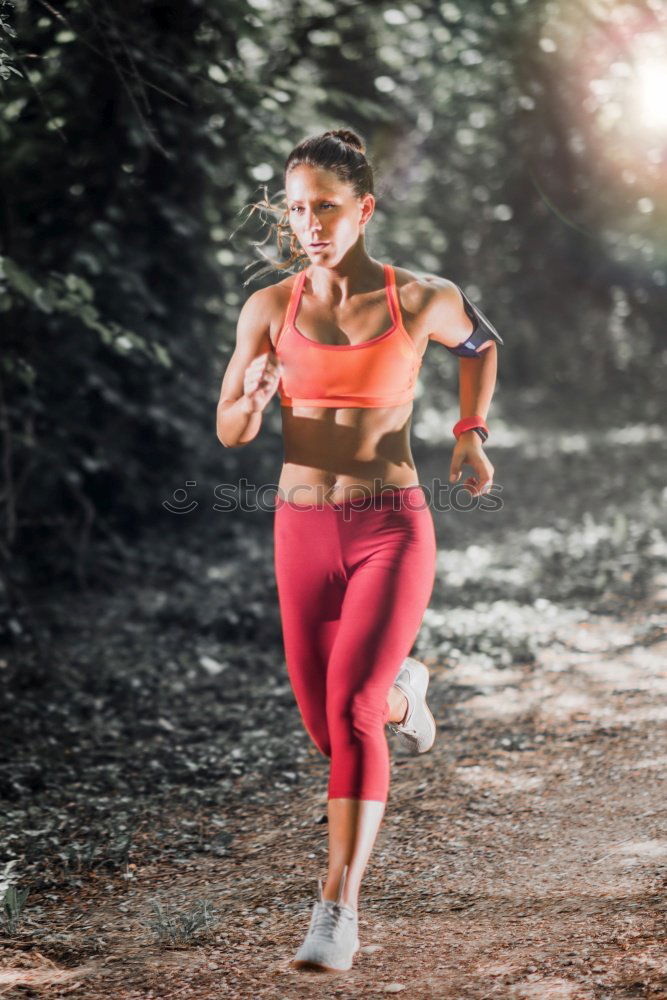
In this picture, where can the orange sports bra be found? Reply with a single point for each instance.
(380, 372)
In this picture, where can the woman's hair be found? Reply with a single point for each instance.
(339, 150)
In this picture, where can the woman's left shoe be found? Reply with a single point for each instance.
(417, 731)
(332, 939)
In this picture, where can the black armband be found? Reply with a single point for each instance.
(482, 331)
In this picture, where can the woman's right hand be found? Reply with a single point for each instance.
(261, 380)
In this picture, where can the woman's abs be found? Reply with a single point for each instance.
(340, 454)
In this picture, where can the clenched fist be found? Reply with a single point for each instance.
(261, 380)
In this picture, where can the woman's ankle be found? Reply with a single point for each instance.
(353, 903)
(331, 896)
(398, 705)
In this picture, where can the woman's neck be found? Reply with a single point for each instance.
(354, 274)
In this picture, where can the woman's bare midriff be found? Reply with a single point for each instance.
(333, 454)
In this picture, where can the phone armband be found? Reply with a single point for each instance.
(482, 331)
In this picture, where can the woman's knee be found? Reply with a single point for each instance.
(361, 714)
(320, 737)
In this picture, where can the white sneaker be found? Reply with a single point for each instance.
(417, 731)
(332, 939)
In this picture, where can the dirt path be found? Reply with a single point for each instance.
(154, 752)
(524, 856)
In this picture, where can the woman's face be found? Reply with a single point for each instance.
(325, 210)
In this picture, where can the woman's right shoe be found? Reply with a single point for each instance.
(417, 731)
(332, 939)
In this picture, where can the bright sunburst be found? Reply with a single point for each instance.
(652, 87)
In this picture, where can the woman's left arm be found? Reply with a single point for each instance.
(477, 380)
(466, 332)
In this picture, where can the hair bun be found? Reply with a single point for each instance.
(347, 136)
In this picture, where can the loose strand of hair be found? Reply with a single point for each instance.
(279, 226)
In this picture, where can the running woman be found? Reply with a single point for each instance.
(342, 341)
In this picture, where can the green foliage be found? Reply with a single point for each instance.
(181, 927)
(510, 594)
(71, 294)
(97, 851)
(12, 900)
(132, 147)
(7, 33)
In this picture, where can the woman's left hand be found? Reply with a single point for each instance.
(468, 451)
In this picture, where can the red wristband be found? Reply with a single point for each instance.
(469, 424)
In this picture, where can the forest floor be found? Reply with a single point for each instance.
(156, 759)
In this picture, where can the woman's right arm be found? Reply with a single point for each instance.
(252, 375)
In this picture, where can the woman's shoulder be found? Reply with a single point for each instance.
(416, 289)
(274, 296)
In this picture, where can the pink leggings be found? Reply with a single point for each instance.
(353, 583)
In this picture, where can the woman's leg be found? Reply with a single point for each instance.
(312, 582)
(389, 556)
(345, 826)
(311, 587)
